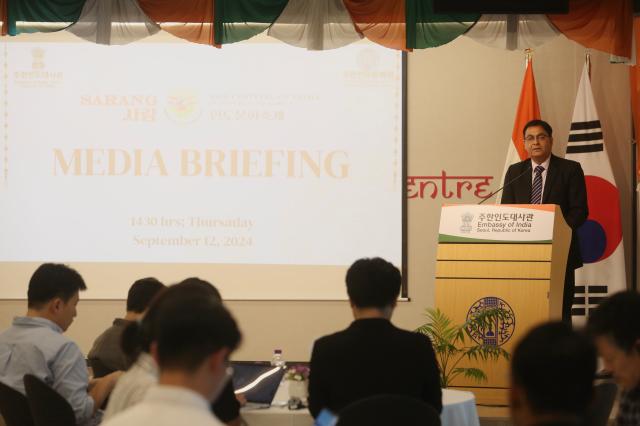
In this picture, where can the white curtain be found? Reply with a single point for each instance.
(113, 22)
(315, 25)
(513, 32)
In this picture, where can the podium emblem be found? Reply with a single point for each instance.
(499, 331)
(466, 227)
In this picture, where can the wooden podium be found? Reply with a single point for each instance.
(512, 256)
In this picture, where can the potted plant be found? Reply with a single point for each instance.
(297, 376)
(453, 343)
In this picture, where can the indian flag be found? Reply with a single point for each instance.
(528, 109)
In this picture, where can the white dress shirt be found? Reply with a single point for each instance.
(544, 174)
(167, 406)
(132, 386)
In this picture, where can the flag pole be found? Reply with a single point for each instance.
(634, 209)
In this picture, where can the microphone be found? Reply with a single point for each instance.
(528, 170)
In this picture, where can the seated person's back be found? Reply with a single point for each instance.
(133, 386)
(34, 344)
(193, 336)
(106, 354)
(372, 356)
(552, 372)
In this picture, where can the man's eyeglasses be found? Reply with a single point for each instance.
(540, 138)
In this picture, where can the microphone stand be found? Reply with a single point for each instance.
(528, 170)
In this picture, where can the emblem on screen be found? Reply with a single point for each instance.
(183, 106)
(37, 56)
(367, 59)
(466, 227)
(37, 75)
(498, 332)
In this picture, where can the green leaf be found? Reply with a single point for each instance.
(471, 373)
(449, 342)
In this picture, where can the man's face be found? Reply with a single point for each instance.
(66, 311)
(624, 366)
(538, 143)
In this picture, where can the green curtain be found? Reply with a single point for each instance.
(427, 29)
(42, 11)
(237, 20)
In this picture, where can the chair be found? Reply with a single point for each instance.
(14, 407)
(604, 396)
(48, 407)
(386, 410)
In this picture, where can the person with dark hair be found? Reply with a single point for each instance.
(552, 376)
(35, 343)
(137, 342)
(372, 356)
(546, 179)
(201, 285)
(106, 354)
(193, 336)
(615, 328)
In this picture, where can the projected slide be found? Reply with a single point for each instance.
(257, 155)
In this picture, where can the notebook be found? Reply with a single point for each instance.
(258, 381)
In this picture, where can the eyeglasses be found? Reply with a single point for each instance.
(540, 138)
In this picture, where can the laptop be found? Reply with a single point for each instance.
(258, 381)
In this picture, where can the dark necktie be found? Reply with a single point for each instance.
(536, 189)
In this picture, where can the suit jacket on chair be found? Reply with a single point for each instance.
(372, 357)
(564, 186)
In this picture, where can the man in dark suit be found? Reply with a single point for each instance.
(547, 179)
(372, 356)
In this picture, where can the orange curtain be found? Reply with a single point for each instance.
(381, 21)
(604, 25)
(634, 79)
(3, 17)
(192, 20)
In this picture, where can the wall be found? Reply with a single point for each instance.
(461, 105)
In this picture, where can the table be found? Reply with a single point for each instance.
(458, 409)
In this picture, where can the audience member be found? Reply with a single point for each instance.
(615, 328)
(106, 354)
(193, 337)
(552, 374)
(35, 343)
(372, 356)
(137, 343)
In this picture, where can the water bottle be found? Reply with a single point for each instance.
(282, 394)
(277, 360)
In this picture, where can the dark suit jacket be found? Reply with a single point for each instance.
(372, 357)
(564, 186)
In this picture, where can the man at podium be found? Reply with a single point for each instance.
(546, 179)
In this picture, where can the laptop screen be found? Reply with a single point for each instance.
(257, 380)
